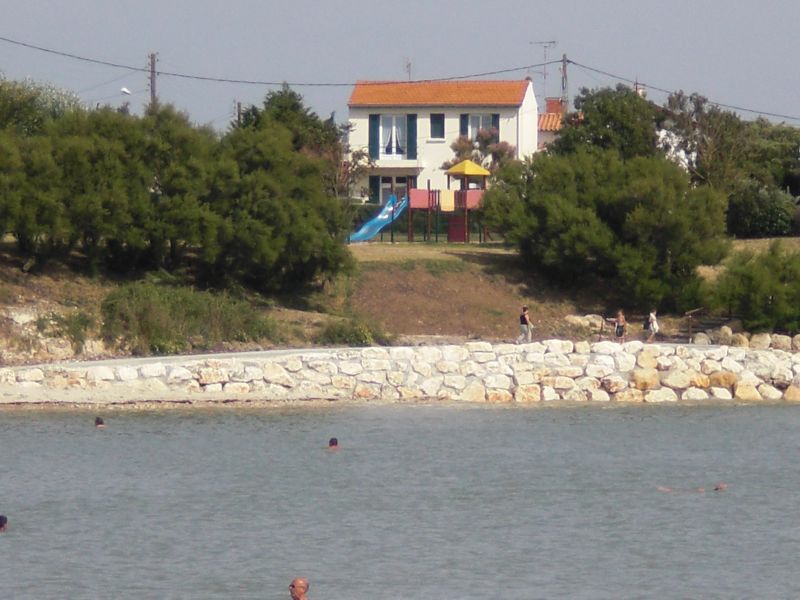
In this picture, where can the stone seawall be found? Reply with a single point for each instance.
(539, 372)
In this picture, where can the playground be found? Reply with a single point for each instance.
(433, 215)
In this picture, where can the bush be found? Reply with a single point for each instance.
(763, 290)
(352, 332)
(755, 211)
(166, 320)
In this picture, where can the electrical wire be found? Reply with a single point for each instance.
(668, 92)
(351, 84)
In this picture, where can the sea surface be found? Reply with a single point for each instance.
(421, 501)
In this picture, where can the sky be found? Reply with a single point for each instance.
(742, 54)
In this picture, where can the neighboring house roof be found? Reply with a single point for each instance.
(439, 93)
(550, 121)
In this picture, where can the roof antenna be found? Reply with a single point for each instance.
(407, 67)
(545, 46)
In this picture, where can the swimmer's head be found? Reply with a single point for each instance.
(98, 422)
(298, 588)
(333, 443)
(720, 486)
(3, 522)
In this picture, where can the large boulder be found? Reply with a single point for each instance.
(645, 379)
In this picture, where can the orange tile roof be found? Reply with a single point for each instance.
(439, 93)
(550, 121)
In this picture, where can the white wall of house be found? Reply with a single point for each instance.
(518, 127)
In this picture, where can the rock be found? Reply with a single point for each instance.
(559, 383)
(576, 395)
(100, 373)
(497, 396)
(276, 374)
(457, 382)
(585, 383)
(645, 379)
(661, 395)
(782, 342)
(701, 339)
(596, 395)
(606, 348)
(719, 393)
(647, 359)
(709, 366)
(739, 340)
(724, 335)
(236, 387)
(760, 341)
(677, 379)
(549, 394)
(746, 392)
(525, 394)
(474, 392)
(179, 374)
(729, 364)
(598, 371)
(694, 394)
(792, 394)
(796, 343)
(614, 384)
(633, 346)
(582, 347)
(559, 346)
(723, 379)
(699, 380)
(624, 362)
(152, 370)
(769, 393)
(629, 395)
(127, 373)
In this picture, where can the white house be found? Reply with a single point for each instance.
(408, 127)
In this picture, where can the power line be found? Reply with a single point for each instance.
(350, 84)
(660, 89)
(263, 83)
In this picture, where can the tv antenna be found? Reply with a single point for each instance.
(546, 45)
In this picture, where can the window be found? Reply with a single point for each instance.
(478, 122)
(471, 124)
(437, 126)
(393, 136)
(394, 185)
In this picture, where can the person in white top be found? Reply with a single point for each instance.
(653, 322)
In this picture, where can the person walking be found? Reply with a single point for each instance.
(525, 326)
(652, 323)
(620, 326)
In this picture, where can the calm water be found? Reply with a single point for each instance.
(420, 502)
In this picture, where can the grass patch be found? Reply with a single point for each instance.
(154, 319)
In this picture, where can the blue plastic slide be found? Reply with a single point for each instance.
(389, 213)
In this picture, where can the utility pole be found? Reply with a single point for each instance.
(545, 46)
(239, 114)
(564, 92)
(153, 96)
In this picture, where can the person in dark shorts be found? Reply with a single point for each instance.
(620, 326)
(525, 326)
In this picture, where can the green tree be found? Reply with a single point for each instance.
(590, 214)
(27, 107)
(610, 119)
(757, 211)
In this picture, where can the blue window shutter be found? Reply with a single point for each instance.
(411, 125)
(374, 136)
(496, 126)
(374, 188)
(464, 125)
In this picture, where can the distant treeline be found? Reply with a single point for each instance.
(126, 194)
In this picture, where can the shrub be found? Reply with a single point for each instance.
(161, 319)
(352, 332)
(763, 290)
(755, 211)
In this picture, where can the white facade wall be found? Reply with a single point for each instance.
(518, 127)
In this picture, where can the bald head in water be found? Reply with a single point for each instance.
(298, 588)
(3, 522)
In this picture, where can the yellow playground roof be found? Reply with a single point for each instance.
(467, 168)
